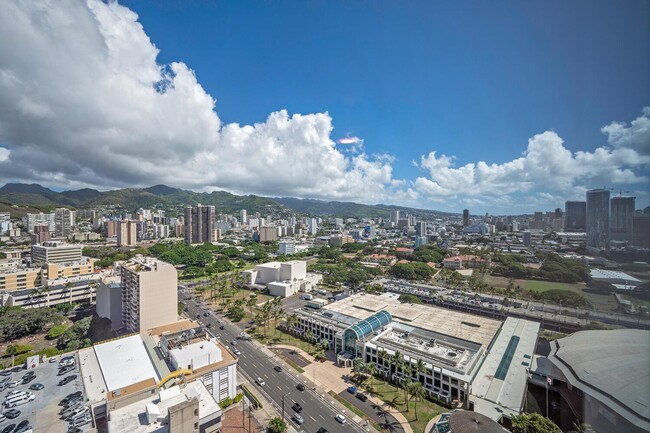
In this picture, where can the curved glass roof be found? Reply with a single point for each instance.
(371, 324)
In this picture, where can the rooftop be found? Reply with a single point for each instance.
(615, 371)
(124, 361)
(91, 374)
(133, 418)
(604, 274)
(456, 324)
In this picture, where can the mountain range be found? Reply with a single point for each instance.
(20, 198)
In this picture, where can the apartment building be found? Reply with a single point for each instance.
(199, 224)
(63, 222)
(127, 233)
(149, 293)
(36, 219)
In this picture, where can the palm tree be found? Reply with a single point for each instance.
(292, 321)
(383, 357)
(251, 302)
(419, 369)
(372, 370)
(68, 287)
(398, 360)
(309, 335)
(93, 289)
(417, 391)
(406, 383)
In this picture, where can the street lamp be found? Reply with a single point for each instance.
(283, 395)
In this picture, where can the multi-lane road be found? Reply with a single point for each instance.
(318, 408)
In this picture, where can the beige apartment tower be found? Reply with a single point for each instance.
(127, 233)
(149, 294)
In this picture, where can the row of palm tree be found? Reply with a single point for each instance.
(413, 389)
(271, 310)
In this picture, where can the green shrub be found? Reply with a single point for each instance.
(225, 402)
(238, 398)
(56, 331)
(18, 349)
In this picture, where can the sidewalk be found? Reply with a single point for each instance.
(329, 377)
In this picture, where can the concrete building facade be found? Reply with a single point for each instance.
(575, 216)
(622, 213)
(597, 219)
(149, 294)
(199, 224)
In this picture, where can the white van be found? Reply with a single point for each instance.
(19, 400)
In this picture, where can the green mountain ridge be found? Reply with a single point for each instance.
(23, 198)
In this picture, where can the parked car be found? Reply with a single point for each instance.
(66, 380)
(352, 389)
(9, 428)
(37, 386)
(69, 397)
(361, 396)
(301, 387)
(260, 381)
(296, 406)
(22, 426)
(340, 418)
(5, 373)
(28, 379)
(13, 384)
(12, 414)
(65, 370)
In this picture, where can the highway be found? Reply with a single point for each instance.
(318, 410)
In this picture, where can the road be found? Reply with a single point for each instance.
(318, 409)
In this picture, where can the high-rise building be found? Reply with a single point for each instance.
(199, 224)
(127, 233)
(394, 216)
(268, 233)
(465, 217)
(149, 294)
(41, 234)
(55, 252)
(243, 216)
(527, 238)
(641, 230)
(110, 229)
(420, 229)
(5, 222)
(575, 216)
(286, 247)
(63, 222)
(622, 214)
(312, 225)
(598, 218)
(36, 219)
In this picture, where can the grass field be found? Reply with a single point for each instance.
(602, 302)
(395, 397)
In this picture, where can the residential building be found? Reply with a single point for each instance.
(339, 240)
(55, 252)
(286, 247)
(622, 212)
(127, 233)
(598, 218)
(465, 217)
(199, 224)
(312, 225)
(110, 229)
(394, 216)
(5, 222)
(466, 261)
(419, 241)
(268, 233)
(420, 228)
(109, 300)
(33, 219)
(63, 222)
(149, 293)
(243, 216)
(41, 234)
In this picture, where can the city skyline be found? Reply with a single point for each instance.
(128, 115)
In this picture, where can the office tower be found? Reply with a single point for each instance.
(420, 240)
(63, 222)
(575, 216)
(622, 209)
(243, 216)
(394, 216)
(465, 217)
(641, 230)
(286, 247)
(55, 252)
(421, 229)
(527, 238)
(199, 224)
(149, 294)
(127, 233)
(41, 234)
(598, 218)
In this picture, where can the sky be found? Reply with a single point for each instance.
(505, 108)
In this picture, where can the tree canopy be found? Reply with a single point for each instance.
(533, 423)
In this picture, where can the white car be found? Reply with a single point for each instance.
(260, 381)
(13, 384)
(340, 418)
(66, 363)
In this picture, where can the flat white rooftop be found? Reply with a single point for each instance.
(604, 274)
(91, 374)
(197, 355)
(499, 386)
(124, 362)
(453, 323)
(132, 418)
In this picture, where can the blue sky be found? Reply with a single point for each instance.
(498, 107)
(467, 78)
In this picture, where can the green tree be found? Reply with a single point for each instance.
(533, 423)
(56, 331)
(417, 391)
(277, 425)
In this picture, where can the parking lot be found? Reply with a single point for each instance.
(43, 412)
